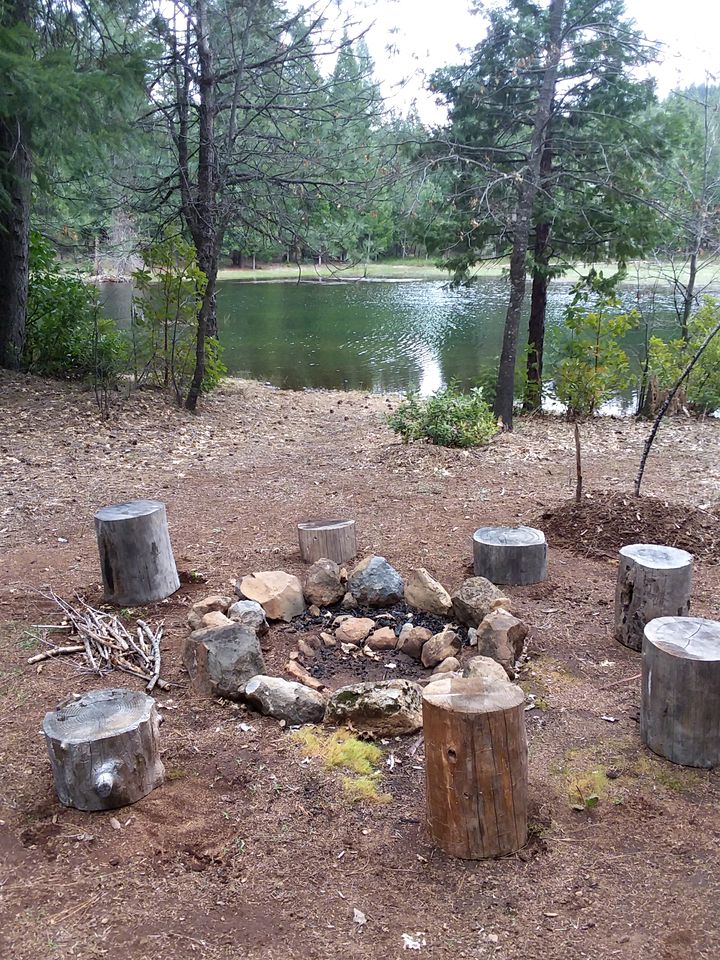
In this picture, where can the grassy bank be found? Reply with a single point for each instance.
(645, 273)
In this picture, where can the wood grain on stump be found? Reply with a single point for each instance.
(680, 711)
(476, 766)
(104, 749)
(136, 557)
(333, 539)
(510, 555)
(652, 581)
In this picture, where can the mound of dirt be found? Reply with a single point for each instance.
(606, 521)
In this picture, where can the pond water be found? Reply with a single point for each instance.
(376, 336)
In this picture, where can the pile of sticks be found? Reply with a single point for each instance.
(106, 644)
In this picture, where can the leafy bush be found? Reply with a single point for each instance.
(667, 361)
(66, 334)
(447, 418)
(168, 294)
(593, 367)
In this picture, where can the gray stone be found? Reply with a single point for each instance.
(449, 665)
(383, 639)
(425, 593)
(250, 614)
(375, 583)
(322, 584)
(440, 647)
(485, 667)
(354, 629)
(412, 639)
(285, 699)
(475, 599)
(221, 660)
(349, 602)
(205, 606)
(501, 636)
(279, 593)
(385, 708)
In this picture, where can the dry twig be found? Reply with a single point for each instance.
(107, 644)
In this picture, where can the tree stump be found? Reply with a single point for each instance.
(104, 749)
(333, 539)
(136, 557)
(476, 766)
(680, 711)
(510, 555)
(653, 581)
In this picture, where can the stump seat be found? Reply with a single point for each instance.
(515, 556)
(680, 707)
(653, 581)
(104, 749)
(136, 558)
(476, 766)
(332, 539)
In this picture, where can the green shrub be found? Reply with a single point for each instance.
(666, 361)
(66, 334)
(593, 367)
(168, 294)
(448, 418)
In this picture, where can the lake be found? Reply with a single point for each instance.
(380, 336)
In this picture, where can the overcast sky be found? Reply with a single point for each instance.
(427, 34)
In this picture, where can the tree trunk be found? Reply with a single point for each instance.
(505, 394)
(203, 217)
(136, 556)
(652, 581)
(14, 240)
(680, 711)
(104, 749)
(476, 766)
(536, 329)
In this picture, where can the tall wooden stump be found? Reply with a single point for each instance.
(333, 539)
(104, 749)
(476, 766)
(510, 555)
(653, 581)
(680, 711)
(136, 557)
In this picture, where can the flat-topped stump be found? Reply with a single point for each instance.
(680, 710)
(332, 539)
(653, 581)
(104, 748)
(516, 556)
(136, 558)
(476, 766)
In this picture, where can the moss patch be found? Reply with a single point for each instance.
(340, 750)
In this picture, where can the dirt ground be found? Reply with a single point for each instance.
(251, 851)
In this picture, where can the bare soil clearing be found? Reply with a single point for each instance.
(250, 850)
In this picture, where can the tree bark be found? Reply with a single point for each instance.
(505, 394)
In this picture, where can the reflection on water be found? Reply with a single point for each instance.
(380, 336)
